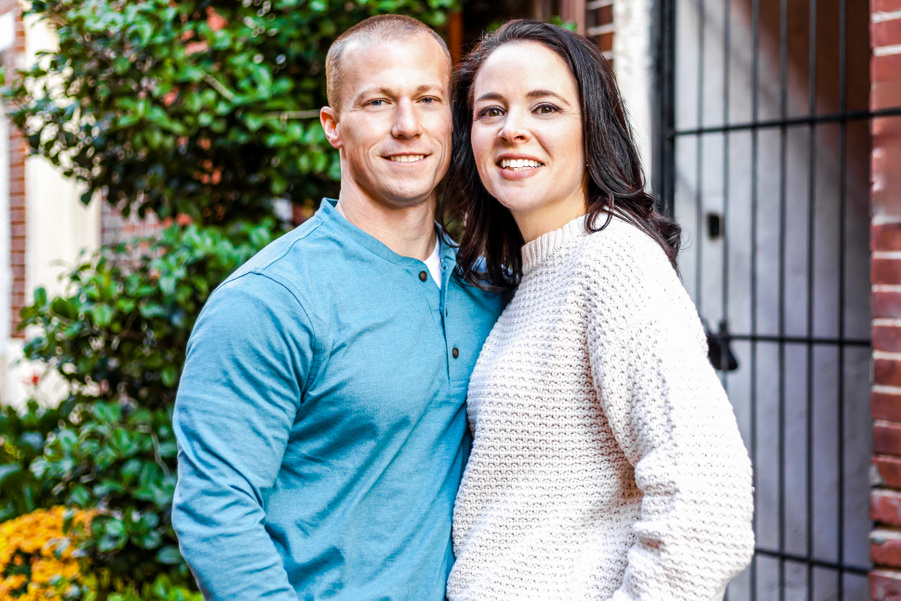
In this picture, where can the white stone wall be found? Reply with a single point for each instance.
(59, 229)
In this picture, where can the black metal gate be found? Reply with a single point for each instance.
(762, 154)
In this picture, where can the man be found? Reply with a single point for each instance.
(320, 418)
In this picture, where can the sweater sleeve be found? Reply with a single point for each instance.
(671, 418)
(249, 354)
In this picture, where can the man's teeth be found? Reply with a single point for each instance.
(406, 158)
(518, 164)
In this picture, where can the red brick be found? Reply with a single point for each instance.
(885, 585)
(605, 41)
(887, 438)
(889, 470)
(885, 236)
(885, 506)
(887, 372)
(885, 94)
(887, 338)
(885, 5)
(886, 33)
(886, 303)
(886, 201)
(885, 405)
(885, 68)
(885, 271)
(885, 547)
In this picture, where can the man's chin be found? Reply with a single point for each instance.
(409, 197)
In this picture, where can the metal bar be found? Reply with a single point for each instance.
(755, 81)
(811, 232)
(819, 563)
(842, 117)
(727, 40)
(671, 111)
(783, 152)
(664, 96)
(699, 149)
(843, 105)
(799, 340)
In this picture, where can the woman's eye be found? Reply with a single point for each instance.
(490, 111)
(544, 109)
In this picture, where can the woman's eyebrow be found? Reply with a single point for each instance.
(530, 94)
(543, 93)
(490, 96)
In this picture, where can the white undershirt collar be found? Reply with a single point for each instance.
(434, 264)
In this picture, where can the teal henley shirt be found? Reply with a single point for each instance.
(321, 422)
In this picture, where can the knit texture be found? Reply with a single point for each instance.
(606, 463)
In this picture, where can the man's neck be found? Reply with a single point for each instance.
(408, 231)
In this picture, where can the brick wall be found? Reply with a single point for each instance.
(17, 154)
(115, 228)
(885, 241)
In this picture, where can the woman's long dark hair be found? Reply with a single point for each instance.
(615, 179)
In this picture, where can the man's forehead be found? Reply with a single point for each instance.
(365, 53)
(402, 65)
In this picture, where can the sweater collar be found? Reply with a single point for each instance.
(537, 251)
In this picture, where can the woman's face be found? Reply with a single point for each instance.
(527, 136)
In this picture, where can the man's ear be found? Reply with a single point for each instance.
(328, 117)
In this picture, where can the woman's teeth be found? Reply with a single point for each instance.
(519, 164)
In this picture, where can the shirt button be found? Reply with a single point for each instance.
(455, 352)
(423, 276)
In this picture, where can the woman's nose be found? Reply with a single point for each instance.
(514, 128)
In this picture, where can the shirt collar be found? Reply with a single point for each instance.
(336, 222)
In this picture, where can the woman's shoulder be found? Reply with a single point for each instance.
(623, 246)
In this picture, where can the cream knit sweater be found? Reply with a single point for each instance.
(606, 461)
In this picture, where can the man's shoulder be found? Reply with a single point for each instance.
(290, 247)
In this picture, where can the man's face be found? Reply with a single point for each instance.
(394, 126)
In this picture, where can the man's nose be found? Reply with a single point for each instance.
(406, 121)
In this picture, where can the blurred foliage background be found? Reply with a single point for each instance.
(204, 113)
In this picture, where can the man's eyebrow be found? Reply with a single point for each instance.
(530, 94)
(392, 93)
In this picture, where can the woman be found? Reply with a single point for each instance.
(606, 460)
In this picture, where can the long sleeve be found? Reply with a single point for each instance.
(670, 415)
(247, 361)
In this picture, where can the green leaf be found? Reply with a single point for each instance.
(168, 555)
(102, 315)
(64, 308)
(169, 375)
(8, 470)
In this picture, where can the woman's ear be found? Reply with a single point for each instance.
(328, 117)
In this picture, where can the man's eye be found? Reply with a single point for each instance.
(376, 102)
(429, 100)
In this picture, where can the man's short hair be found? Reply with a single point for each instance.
(378, 28)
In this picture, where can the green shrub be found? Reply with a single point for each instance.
(118, 335)
(199, 108)
(208, 109)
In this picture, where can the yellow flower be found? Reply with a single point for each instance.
(36, 556)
